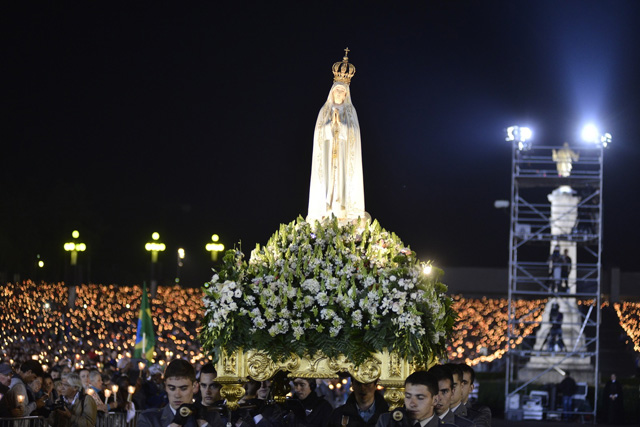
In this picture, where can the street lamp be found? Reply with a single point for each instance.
(214, 247)
(74, 247)
(154, 246)
(180, 263)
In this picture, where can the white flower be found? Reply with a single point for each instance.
(311, 285)
(322, 298)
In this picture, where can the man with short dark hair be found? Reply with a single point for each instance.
(309, 409)
(443, 402)
(479, 414)
(12, 405)
(456, 390)
(363, 407)
(209, 388)
(420, 394)
(181, 385)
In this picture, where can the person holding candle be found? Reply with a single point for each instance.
(94, 389)
(180, 384)
(75, 408)
(20, 401)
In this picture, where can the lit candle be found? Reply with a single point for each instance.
(107, 393)
(114, 388)
(131, 389)
(20, 399)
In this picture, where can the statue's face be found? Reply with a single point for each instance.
(339, 94)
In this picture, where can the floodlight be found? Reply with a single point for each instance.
(590, 133)
(520, 135)
(605, 139)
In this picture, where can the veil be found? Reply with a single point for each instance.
(353, 186)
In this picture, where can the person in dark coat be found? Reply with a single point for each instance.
(420, 394)
(443, 400)
(612, 401)
(567, 388)
(363, 407)
(180, 384)
(306, 408)
(479, 414)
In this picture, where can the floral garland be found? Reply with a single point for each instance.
(338, 289)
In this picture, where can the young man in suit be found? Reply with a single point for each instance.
(180, 384)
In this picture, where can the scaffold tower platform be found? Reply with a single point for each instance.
(555, 247)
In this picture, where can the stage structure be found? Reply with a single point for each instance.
(555, 246)
(329, 294)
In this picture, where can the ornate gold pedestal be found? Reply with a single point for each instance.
(235, 369)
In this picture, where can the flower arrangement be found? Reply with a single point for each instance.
(351, 289)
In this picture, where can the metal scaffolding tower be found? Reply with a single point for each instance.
(556, 209)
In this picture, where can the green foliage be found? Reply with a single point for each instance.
(351, 289)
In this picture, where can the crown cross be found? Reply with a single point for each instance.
(343, 71)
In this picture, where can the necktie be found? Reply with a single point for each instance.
(417, 424)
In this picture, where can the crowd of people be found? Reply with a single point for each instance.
(35, 320)
(186, 395)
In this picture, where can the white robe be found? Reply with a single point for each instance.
(337, 185)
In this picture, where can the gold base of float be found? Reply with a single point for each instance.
(236, 368)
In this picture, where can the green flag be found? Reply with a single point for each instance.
(145, 338)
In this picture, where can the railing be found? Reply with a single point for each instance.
(116, 419)
(24, 422)
(112, 419)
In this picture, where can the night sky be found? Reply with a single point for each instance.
(192, 118)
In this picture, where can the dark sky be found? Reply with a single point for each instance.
(191, 118)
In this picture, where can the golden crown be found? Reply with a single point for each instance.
(343, 71)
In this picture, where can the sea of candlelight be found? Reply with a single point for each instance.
(36, 323)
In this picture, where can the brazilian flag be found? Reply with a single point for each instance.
(145, 338)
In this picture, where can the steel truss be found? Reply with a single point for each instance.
(533, 363)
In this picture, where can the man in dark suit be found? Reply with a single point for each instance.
(479, 414)
(180, 384)
(420, 393)
(363, 407)
(443, 401)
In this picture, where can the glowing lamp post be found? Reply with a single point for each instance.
(214, 247)
(180, 263)
(74, 247)
(154, 246)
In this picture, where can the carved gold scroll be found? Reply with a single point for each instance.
(234, 369)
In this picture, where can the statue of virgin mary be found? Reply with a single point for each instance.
(337, 186)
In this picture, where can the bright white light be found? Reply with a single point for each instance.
(520, 135)
(590, 133)
(427, 269)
